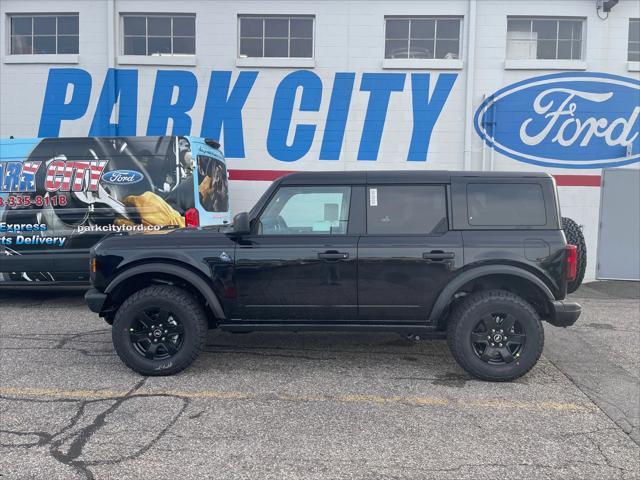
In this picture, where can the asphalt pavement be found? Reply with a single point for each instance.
(315, 405)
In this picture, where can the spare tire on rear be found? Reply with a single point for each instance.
(574, 235)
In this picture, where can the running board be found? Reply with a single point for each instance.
(403, 329)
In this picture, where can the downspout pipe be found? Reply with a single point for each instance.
(111, 52)
(470, 45)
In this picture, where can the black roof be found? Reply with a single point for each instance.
(397, 176)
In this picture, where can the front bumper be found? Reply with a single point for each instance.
(95, 300)
(564, 314)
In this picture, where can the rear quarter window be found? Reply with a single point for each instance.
(498, 204)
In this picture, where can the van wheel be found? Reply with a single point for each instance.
(574, 235)
(495, 335)
(159, 330)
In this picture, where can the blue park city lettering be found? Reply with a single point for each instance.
(224, 104)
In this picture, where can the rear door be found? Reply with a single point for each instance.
(24, 257)
(408, 253)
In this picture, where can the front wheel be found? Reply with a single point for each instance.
(159, 330)
(495, 335)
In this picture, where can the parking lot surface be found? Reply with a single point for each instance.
(315, 405)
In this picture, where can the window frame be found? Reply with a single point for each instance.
(557, 19)
(352, 225)
(520, 185)
(436, 19)
(263, 17)
(629, 41)
(43, 56)
(447, 209)
(146, 15)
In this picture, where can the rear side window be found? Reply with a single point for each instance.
(497, 204)
(406, 209)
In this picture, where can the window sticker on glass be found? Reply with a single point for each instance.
(373, 197)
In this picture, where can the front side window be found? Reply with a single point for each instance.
(159, 34)
(422, 37)
(406, 210)
(44, 34)
(276, 37)
(307, 211)
(544, 38)
(634, 40)
(493, 205)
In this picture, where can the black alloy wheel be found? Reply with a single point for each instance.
(498, 338)
(157, 333)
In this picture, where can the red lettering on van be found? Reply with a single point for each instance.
(76, 176)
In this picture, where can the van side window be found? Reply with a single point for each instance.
(493, 204)
(318, 210)
(406, 209)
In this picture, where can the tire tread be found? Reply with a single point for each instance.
(466, 307)
(187, 301)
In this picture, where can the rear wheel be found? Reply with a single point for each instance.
(574, 235)
(495, 335)
(159, 330)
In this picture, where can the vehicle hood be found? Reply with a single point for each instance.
(164, 239)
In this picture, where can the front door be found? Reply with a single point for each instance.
(408, 253)
(300, 264)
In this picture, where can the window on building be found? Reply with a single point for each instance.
(634, 40)
(491, 205)
(406, 209)
(422, 37)
(544, 38)
(319, 210)
(159, 34)
(279, 37)
(44, 34)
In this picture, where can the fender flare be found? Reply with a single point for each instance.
(187, 275)
(447, 293)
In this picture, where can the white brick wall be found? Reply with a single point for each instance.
(349, 37)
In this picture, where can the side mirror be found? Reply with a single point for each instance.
(241, 224)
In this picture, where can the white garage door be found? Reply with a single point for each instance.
(619, 236)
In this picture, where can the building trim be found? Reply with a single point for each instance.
(271, 175)
(545, 65)
(267, 62)
(161, 60)
(52, 58)
(422, 63)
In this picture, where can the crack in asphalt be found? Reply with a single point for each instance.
(76, 441)
(62, 342)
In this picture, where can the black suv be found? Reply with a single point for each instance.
(478, 257)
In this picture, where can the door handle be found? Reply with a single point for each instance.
(437, 256)
(333, 255)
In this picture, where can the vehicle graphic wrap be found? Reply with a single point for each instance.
(60, 196)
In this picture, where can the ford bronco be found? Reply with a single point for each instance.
(478, 258)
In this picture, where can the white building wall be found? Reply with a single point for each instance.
(349, 37)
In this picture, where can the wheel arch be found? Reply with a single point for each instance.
(183, 273)
(488, 276)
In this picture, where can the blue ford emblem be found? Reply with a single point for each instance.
(566, 120)
(122, 177)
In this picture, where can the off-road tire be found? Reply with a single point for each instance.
(185, 306)
(574, 235)
(466, 315)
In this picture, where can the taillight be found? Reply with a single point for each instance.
(572, 262)
(192, 218)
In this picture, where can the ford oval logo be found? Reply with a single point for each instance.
(122, 177)
(566, 120)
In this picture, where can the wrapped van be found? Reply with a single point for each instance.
(60, 196)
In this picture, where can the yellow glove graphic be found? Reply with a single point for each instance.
(153, 210)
